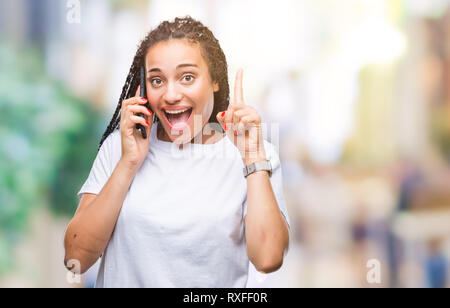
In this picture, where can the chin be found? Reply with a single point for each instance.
(182, 137)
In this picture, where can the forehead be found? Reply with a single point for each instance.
(168, 54)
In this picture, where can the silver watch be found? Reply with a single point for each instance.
(258, 166)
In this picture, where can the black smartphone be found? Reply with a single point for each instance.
(143, 93)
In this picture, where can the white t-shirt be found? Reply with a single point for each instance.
(182, 221)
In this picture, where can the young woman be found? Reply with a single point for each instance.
(170, 210)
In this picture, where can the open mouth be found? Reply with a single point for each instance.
(179, 120)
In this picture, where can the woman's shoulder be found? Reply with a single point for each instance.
(112, 143)
(112, 138)
(115, 135)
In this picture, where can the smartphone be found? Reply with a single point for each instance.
(143, 93)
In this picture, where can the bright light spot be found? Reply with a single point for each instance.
(374, 41)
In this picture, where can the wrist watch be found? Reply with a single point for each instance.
(258, 166)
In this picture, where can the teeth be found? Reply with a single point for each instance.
(176, 111)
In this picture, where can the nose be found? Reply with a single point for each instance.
(172, 94)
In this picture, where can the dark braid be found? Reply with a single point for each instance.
(181, 28)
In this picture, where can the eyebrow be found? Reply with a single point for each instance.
(155, 69)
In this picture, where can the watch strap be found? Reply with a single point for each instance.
(258, 166)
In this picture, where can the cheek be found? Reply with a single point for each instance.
(203, 96)
(209, 106)
(154, 98)
(153, 104)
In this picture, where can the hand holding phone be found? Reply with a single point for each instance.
(143, 93)
(134, 146)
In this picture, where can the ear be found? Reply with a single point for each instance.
(216, 87)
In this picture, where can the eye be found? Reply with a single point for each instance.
(190, 77)
(155, 79)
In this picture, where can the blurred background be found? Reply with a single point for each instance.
(355, 94)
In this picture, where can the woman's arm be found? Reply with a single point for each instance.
(90, 229)
(266, 231)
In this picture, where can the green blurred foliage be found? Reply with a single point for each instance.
(49, 138)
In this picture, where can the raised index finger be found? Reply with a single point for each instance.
(238, 92)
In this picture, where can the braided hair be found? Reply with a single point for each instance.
(181, 28)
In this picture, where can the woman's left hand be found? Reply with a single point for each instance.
(243, 125)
